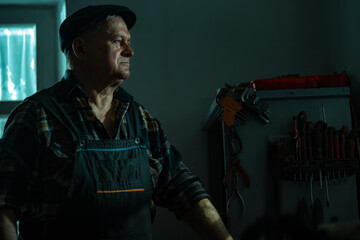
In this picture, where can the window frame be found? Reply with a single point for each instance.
(47, 45)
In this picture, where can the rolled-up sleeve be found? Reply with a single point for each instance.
(181, 192)
(18, 149)
(176, 187)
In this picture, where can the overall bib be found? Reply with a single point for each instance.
(110, 191)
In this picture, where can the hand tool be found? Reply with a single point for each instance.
(235, 192)
(325, 155)
(331, 140)
(309, 129)
(308, 133)
(295, 142)
(232, 113)
(337, 145)
(301, 121)
(235, 147)
(324, 132)
(295, 135)
(342, 138)
(327, 191)
(351, 142)
(255, 104)
(317, 141)
(318, 145)
(337, 150)
(331, 134)
(343, 135)
(311, 189)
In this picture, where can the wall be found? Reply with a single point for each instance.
(186, 50)
(344, 39)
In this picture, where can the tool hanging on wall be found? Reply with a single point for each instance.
(320, 153)
(236, 102)
(235, 148)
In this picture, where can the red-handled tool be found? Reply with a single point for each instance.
(318, 141)
(337, 144)
(301, 122)
(295, 141)
(343, 134)
(331, 140)
(337, 150)
(235, 147)
(309, 130)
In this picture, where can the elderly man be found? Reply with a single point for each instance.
(83, 160)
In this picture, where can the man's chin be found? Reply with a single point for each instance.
(123, 75)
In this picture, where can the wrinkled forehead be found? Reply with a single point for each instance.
(112, 25)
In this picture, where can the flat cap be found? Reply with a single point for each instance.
(84, 18)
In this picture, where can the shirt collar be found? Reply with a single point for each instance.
(73, 89)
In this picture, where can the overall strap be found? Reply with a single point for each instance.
(133, 118)
(49, 101)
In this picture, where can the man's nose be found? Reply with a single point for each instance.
(127, 52)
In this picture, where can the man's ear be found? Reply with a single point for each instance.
(78, 46)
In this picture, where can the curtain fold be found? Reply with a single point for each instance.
(17, 62)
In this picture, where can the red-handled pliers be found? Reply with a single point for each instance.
(235, 147)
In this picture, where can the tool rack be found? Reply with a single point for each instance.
(335, 169)
(267, 194)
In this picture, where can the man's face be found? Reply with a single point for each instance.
(108, 50)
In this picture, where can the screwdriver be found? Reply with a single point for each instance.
(337, 150)
(318, 145)
(325, 155)
(350, 144)
(309, 130)
(331, 133)
(343, 135)
(295, 141)
(301, 120)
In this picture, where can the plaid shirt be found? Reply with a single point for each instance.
(36, 154)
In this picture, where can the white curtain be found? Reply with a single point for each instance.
(17, 61)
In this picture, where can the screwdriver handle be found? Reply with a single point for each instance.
(317, 141)
(351, 149)
(330, 133)
(295, 140)
(301, 121)
(309, 130)
(351, 143)
(337, 145)
(325, 142)
(343, 134)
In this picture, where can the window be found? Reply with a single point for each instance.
(17, 63)
(30, 56)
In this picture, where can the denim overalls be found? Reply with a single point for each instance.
(110, 191)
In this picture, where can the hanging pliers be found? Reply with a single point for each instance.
(235, 147)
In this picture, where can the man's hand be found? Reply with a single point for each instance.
(7, 224)
(206, 221)
(346, 230)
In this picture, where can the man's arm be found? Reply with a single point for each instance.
(7, 224)
(204, 219)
